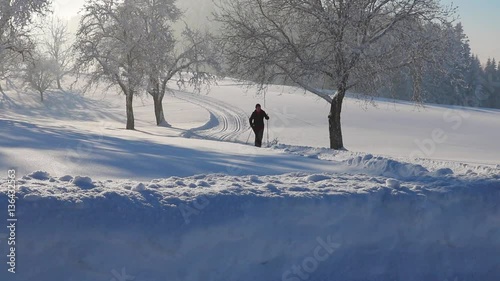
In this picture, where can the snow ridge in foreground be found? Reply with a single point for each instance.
(284, 227)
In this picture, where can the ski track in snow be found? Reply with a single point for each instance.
(226, 122)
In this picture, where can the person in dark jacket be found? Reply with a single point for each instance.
(257, 124)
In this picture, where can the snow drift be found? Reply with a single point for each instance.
(297, 226)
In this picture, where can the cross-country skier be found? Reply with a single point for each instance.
(257, 124)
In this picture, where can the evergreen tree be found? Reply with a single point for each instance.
(449, 83)
(459, 77)
(489, 83)
(498, 71)
(490, 69)
(495, 100)
(476, 87)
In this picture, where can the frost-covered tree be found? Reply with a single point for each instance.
(56, 42)
(341, 44)
(15, 17)
(109, 49)
(132, 44)
(166, 58)
(40, 73)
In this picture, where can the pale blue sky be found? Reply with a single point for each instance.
(481, 20)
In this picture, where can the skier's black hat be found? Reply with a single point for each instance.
(257, 105)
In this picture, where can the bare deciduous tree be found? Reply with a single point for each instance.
(56, 43)
(334, 44)
(40, 73)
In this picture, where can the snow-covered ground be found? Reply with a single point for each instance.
(415, 197)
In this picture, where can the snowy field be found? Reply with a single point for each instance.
(415, 196)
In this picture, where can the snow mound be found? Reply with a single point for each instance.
(66, 178)
(299, 189)
(83, 182)
(443, 172)
(271, 187)
(40, 175)
(392, 183)
(317, 178)
(139, 187)
(180, 183)
(387, 167)
(240, 230)
(24, 189)
(153, 185)
(307, 151)
(255, 179)
(202, 183)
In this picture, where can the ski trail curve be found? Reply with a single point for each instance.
(226, 123)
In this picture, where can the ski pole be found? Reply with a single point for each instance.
(249, 134)
(267, 133)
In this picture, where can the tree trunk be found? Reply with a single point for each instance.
(41, 96)
(160, 116)
(59, 83)
(335, 127)
(130, 111)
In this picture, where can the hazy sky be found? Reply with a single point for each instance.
(480, 19)
(481, 24)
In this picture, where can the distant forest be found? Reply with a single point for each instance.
(462, 79)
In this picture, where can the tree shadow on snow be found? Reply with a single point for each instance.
(57, 104)
(116, 157)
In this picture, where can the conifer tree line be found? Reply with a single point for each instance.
(459, 78)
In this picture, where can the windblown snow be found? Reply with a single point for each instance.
(415, 197)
